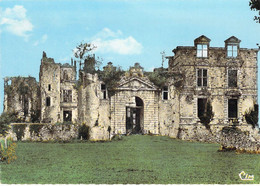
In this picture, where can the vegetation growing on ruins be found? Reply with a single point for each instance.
(111, 77)
(5, 119)
(252, 116)
(207, 116)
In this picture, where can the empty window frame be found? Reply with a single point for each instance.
(165, 93)
(232, 108)
(49, 87)
(202, 106)
(67, 116)
(67, 95)
(232, 78)
(202, 77)
(48, 101)
(104, 91)
(231, 50)
(202, 50)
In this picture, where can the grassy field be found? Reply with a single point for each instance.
(134, 159)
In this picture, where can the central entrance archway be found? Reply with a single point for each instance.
(134, 117)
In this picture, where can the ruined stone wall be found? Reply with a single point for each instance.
(50, 87)
(169, 113)
(93, 110)
(68, 92)
(22, 96)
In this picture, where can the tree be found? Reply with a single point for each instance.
(5, 119)
(82, 54)
(255, 6)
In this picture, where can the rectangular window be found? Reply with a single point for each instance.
(104, 91)
(67, 115)
(165, 93)
(49, 87)
(232, 78)
(48, 101)
(202, 106)
(67, 95)
(202, 50)
(231, 50)
(232, 108)
(202, 75)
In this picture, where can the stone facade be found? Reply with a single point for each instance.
(225, 77)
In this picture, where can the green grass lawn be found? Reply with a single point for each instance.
(135, 159)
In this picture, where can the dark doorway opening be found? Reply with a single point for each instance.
(232, 108)
(67, 116)
(134, 117)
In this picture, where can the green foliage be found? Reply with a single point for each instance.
(35, 116)
(159, 77)
(255, 6)
(5, 119)
(82, 54)
(7, 150)
(35, 128)
(207, 116)
(252, 116)
(83, 132)
(19, 131)
(111, 77)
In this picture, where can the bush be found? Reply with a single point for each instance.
(5, 119)
(84, 131)
(252, 116)
(19, 130)
(206, 118)
(35, 129)
(7, 150)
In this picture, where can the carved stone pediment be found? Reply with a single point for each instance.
(136, 83)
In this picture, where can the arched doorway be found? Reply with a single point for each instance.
(134, 117)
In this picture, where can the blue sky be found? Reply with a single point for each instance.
(125, 31)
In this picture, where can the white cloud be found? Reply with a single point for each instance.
(14, 20)
(42, 40)
(123, 46)
(106, 33)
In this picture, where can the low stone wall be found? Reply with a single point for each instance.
(240, 138)
(54, 132)
(242, 141)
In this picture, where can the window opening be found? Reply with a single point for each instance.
(48, 101)
(232, 51)
(202, 50)
(165, 93)
(67, 115)
(232, 108)
(67, 95)
(104, 91)
(49, 87)
(202, 77)
(232, 78)
(202, 107)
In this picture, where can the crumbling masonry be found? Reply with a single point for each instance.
(225, 77)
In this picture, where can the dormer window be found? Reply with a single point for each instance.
(202, 50)
(232, 47)
(202, 45)
(231, 50)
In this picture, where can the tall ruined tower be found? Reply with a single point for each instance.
(49, 90)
